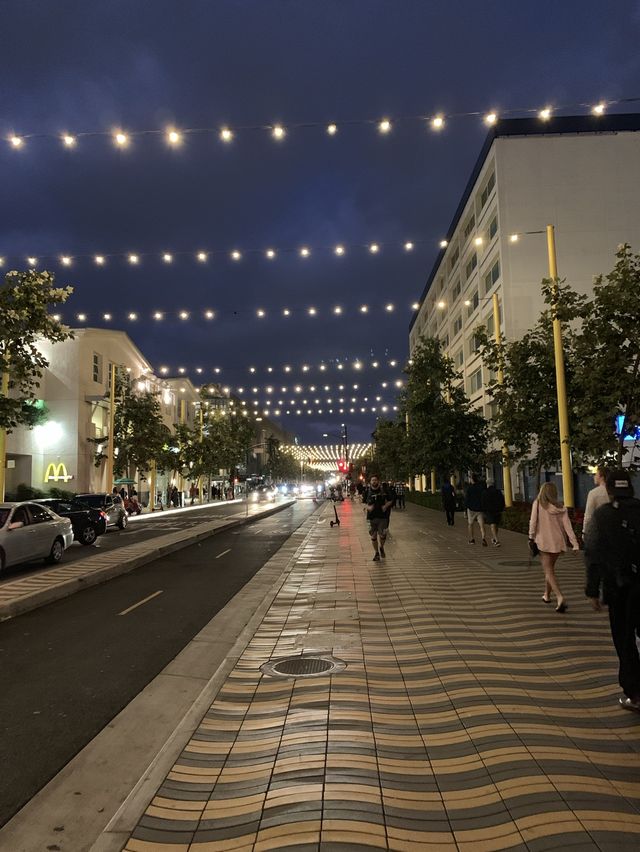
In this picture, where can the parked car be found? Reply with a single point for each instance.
(87, 523)
(110, 504)
(264, 492)
(30, 531)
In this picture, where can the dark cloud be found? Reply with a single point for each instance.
(95, 65)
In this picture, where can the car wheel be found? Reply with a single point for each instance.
(122, 523)
(57, 549)
(88, 535)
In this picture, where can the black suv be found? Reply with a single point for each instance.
(87, 523)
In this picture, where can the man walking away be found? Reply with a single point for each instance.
(492, 502)
(598, 496)
(473, 499)
(400, 495)
(448, 494)
(613, 547)
(378, 511)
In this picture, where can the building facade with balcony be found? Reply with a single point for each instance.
(579, 174)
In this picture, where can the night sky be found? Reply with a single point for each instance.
(147, 64)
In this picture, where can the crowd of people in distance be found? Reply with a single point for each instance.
(611, 537)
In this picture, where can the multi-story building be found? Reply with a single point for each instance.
(75, 392)
(580, 174)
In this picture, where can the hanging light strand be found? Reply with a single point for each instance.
(225, 134)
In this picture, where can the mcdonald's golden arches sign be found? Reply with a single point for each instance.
(57, 473)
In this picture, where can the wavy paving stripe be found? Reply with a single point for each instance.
(469, 717)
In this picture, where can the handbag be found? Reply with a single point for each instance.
(534, 550)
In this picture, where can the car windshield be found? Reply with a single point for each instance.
(78, 506)
(4, 514)
(96, 501)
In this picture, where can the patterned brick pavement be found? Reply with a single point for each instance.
(470, 715)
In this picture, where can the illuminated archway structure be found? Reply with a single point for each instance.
(325, 457)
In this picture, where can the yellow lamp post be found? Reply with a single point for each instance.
(112, 425)
(3, 442)
(561, 385)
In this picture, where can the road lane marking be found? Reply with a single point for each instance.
(143, 601)
(223, 553)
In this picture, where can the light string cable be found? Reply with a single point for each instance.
(175, 136)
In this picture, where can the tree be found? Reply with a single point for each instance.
(140, 435)
(525, 403)
(281, 465)
(25, 301)
(391, 450)
(607, 375)
(445, 432)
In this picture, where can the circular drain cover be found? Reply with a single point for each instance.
(303, 665)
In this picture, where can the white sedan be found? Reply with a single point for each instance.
(29, 531)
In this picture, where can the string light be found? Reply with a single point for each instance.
(332, 129)
(158, 315)
(437, 123)
(374, 248)
(286, 312)
(184, 315)
(278, 132)
(490, 118)
(209, 315)
(304, 252)
(99, 259)
(513, 238)
(32, 261)
(478, 241)
(226, 134)
(132, 316)
(545, 114)
(408, 246)
(173, 137)
(16, 141)
(389, 308)
(168, 258)
(106, 317)
(599, 109)
(134, 259)
(121, 139)
(270, 253)
(384, 126)
(65, 260)
(202, 256)
(443, 243)
(339, 250)
(68, 140)
(235, 255)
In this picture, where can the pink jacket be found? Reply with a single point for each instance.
(551, 528)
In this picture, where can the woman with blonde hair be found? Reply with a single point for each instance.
(550, 528)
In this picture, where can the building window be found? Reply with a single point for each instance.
(474, 345)
(458, 358)
(468, 228)
(488, 188)
(471, 265)
(109, 377)
(96, 369)
(492, 276)
(474, 301)
(493, 227)
(475, 380)
(457, 325)
(444, 341)
(454, 258)
(457, 287)
(490, 325)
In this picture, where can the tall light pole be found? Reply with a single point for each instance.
(111, 449)
(561, 384)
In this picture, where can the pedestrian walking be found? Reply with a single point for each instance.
(598, 496)
(378, 511)
(549, 529)
(473, 500)
(612, 543)
(175, 499)
(448, 494)
(492, 502)
(193, 492)
(400, 495)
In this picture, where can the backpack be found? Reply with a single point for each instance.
(622, 523)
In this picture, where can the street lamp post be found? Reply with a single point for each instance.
(561, 384)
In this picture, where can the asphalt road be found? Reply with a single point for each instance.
(142, 528)
(68, 668)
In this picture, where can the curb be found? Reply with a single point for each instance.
(66, 588)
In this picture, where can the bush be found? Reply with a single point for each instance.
(424, 498)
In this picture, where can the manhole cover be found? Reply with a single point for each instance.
(303, 665)
(515, 563)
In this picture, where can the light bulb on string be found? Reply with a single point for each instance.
(69, 141)
(339, 250)
(545, 114)
(16, 141)
(270, 254)
(437, 122)
(443, 244)
(374, 248)
(278, 132)
(133, 259)
(408, 246)
(491, 118)
(173, 137)
(65, 260)
(121, 139)
(599, 109)
(99, 259)
(332, 129)
(226, 134)
(202, 256)
(235, 255)
(168, 258)
(304, 252)
(384, 126)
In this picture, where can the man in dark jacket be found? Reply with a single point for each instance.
(378, 510)
(492, 502)
(612, 545)
(473, 500)
(448, 493)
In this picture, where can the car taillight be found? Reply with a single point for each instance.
(103, 515)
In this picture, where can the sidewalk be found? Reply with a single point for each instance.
(26, 593)
(470, 716)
